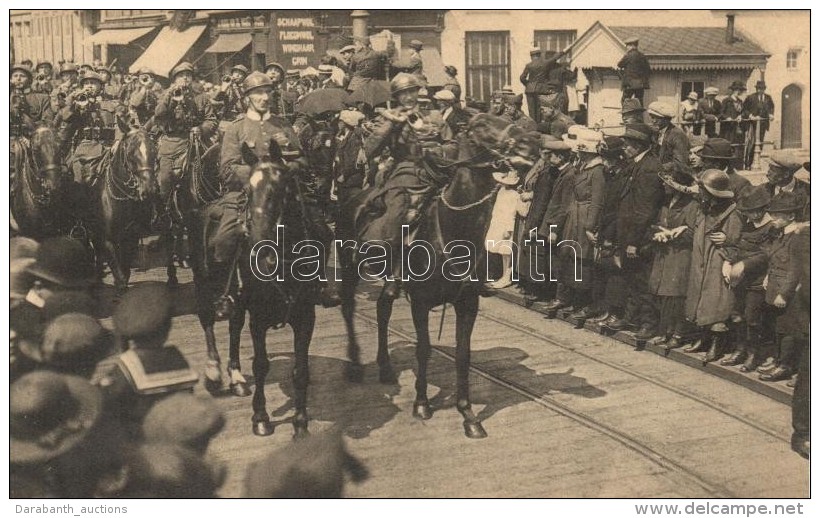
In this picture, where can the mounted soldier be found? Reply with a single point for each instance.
(253, 133)
(181, 115)
(27, 106)
(230, 93)
(143, 100)
(87, 129)
(276, 73)
(404, 182)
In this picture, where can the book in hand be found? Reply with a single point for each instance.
(157, 371)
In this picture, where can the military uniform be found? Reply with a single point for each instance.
(88, 131)
(176, 119)
(367, 65)
(256, 131)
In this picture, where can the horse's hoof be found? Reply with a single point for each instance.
(213, 372)
(422, 410)
(262, 428)
(474, 430)
(354, 372)
(240, 389)
(388, 376)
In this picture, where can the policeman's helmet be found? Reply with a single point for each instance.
(256, 80)
(403, 82)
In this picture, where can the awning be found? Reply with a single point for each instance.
(118, 36)
(230, 43)
(167, 49)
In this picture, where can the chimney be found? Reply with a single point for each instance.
(730, 28)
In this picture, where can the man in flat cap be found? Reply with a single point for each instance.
(672, 142)
(635, 71)
(535, 77)
(710, 111)
(415, 64)
(783, 164)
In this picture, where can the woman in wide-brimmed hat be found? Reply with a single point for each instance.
(672, 241)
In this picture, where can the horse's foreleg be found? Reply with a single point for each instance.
(384, 310)
(302, 326)
(354, 369)
(421, 316)
(261, 365)
(466, 312)
(238, 383)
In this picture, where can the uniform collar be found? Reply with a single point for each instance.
(255, 116)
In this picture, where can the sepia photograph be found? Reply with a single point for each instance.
(410, 254)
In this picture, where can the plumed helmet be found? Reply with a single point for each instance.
(403, 82)
(256, 80)
(716, 182)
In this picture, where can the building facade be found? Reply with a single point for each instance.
(491, 47)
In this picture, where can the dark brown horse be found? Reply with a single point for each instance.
(36, 182)
(196, 186)
(274, 199)
(126, 192)
(460, 214)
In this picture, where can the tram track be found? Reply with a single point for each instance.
(584, 419)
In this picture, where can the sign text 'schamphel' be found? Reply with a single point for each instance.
(296, 46)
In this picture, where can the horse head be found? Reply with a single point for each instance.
(268, 187)
(45, 149)
(140, 156)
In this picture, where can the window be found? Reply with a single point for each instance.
(488, 63)
(691, 86)
(792, 58)
(120, 14)
(553, 40)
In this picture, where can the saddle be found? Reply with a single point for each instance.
(399, 200)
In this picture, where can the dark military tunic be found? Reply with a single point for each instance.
(365, 66)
